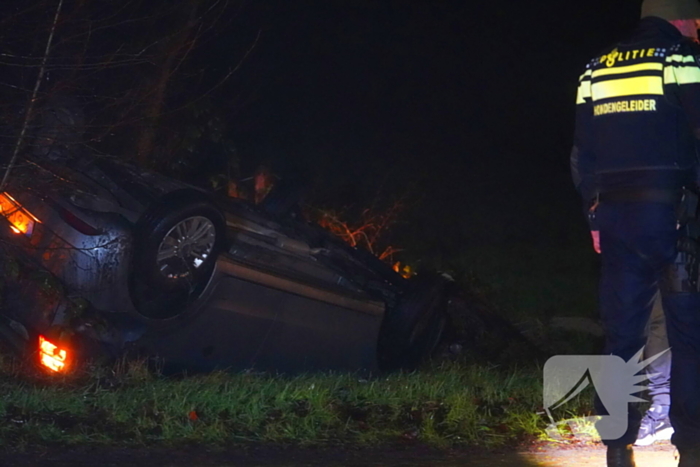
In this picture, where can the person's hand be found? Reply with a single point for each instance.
(595, 235)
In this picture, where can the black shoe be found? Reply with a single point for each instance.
(652, 430)
(689, 457)
(623, 456)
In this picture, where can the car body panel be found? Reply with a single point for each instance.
(284, 295)
(244, 324)
(92, 266)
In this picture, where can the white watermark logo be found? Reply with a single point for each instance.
(615, 382)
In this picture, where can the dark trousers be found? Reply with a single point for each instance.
(659, 370)
(638, 243)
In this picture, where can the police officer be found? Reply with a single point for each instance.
(635, 149)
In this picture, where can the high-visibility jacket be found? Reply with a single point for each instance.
(638, 114)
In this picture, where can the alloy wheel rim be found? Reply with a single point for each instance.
(185, 247)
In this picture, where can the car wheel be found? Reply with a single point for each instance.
(174, 257)
(413, 328)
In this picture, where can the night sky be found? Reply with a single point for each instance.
(466, 106)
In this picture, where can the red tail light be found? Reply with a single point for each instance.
(51, 356)
(21, 221)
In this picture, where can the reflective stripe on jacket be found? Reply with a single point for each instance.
(638, 113)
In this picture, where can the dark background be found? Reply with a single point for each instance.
(473, 101)
(462, 109)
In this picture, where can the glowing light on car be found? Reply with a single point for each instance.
(51, 356)
(21, 221)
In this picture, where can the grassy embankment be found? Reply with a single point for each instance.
(128, 404)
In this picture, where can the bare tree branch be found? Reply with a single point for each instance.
(30, 106)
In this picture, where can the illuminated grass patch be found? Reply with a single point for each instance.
(127, 404)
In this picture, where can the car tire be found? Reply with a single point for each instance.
(175, 252)
(413, 328)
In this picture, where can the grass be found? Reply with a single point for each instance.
(128, 404)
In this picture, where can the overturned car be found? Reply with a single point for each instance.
(168, 270)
